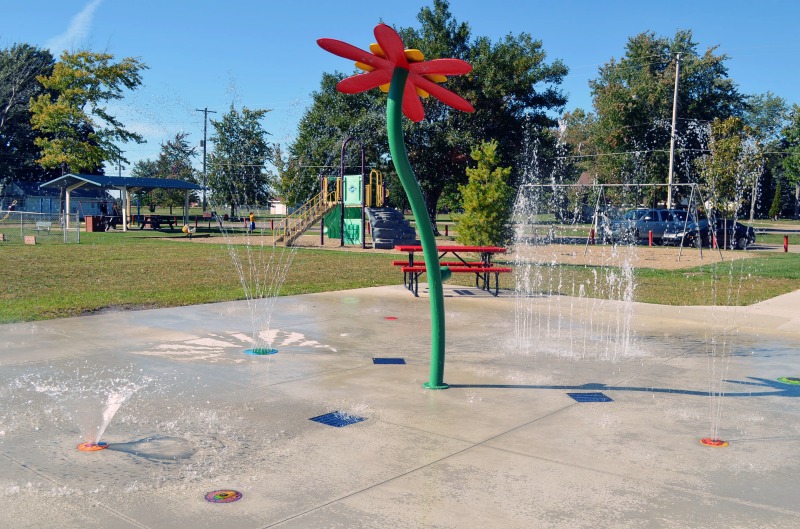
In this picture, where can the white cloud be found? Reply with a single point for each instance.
(79, 28)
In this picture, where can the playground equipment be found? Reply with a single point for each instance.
(388, 62)
(344, 204)
(346, 220)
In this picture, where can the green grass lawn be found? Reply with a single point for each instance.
(137, 270)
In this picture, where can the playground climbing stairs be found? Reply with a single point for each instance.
(306, 216)
(389, 228)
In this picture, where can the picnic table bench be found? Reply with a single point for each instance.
(154, 221)
(483, 269)
(42, 225)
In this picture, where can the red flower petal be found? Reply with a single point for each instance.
(412, 106)
(441, 66)
(364, 81)
(443, 94)
(391, 44)
(348, 51)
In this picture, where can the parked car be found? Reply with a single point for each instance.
(729, 234)
(684, 230)
(636, 225)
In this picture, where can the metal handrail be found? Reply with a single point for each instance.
(299, 221)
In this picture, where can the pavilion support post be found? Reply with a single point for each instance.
(69, 190)
(126, 209)
(125, 197)
(186, 208)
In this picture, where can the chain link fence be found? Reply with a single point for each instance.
(26, 227)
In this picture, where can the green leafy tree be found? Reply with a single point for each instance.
(332, 118)
(237, 173)
(721, 169)
(486, 199)
(633, 99)
(765, 115)
(20, 65)
(578, 129)
(791, 163)
(145, 169)
(175, 162)
(76, 128)
(512, 87)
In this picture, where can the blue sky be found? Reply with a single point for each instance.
(263, 54)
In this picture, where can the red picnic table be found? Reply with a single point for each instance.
(483, 268)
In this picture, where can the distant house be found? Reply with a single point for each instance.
(30, 197)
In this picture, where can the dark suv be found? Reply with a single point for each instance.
(636, 225)
(729, 234)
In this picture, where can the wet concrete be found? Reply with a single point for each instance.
(505, 446)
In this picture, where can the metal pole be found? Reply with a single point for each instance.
(205, 112)
(363, 197)
(323, 192)
(672, 136)
(341, 187)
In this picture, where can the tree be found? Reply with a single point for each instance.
(77, 129)
(332, 118)
(512, 88)
(145, 169)
(20, 65)
(237, 173)
(721, 169)
(791, 163)
(175, 162)
(765, 116)
(486, 199)
(633, 99)
(775, 208)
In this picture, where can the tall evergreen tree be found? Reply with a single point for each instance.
(486, 199)
(175, 162)
(237, 173)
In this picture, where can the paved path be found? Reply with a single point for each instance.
(505, 446)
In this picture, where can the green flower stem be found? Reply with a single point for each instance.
(394, 125)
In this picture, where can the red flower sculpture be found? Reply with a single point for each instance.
(388, 54)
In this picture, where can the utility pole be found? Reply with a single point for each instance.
(119, 162)
(672, 136)
(205, 112)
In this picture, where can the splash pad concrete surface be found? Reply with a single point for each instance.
(505, 446)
